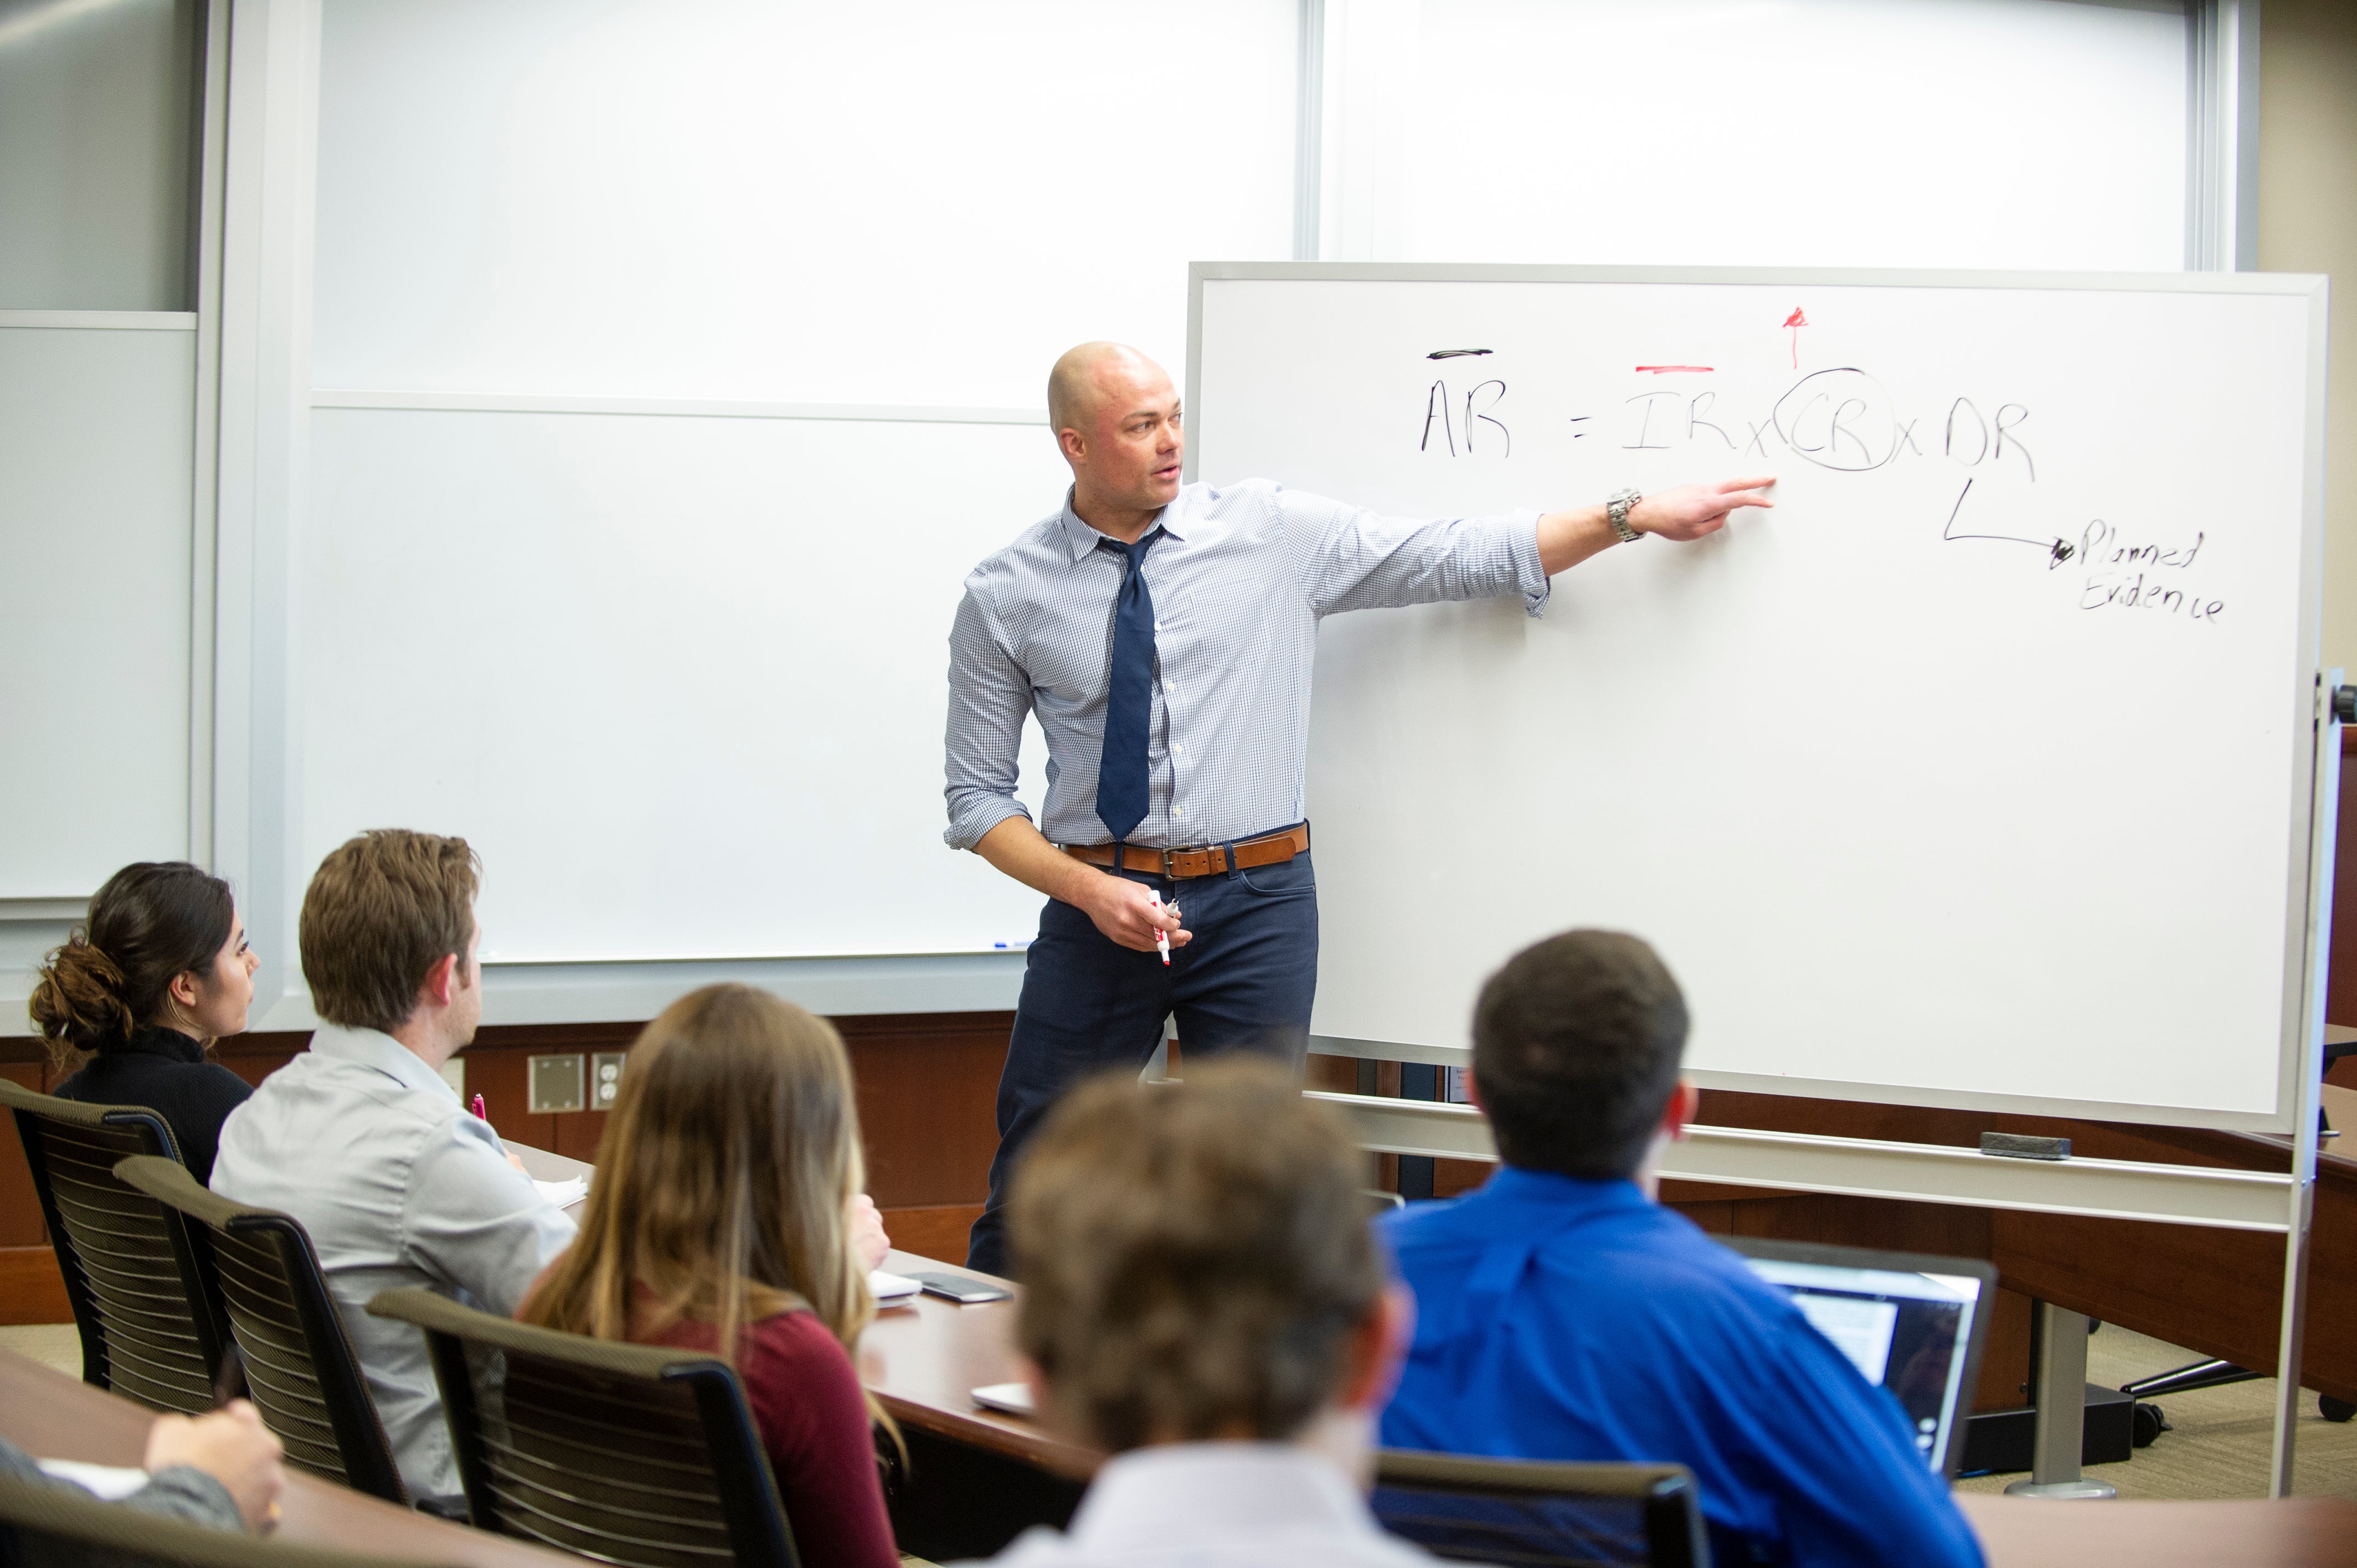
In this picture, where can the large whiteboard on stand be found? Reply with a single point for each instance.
(1976, 773)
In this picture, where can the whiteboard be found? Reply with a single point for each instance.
(789, 200)
(680, 680)
(1935, 132)
(1976, 773)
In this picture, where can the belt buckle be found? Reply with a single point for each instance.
(1169, 870)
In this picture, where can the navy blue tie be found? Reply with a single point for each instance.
(1129, 697)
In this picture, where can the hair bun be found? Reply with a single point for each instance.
(80, 997)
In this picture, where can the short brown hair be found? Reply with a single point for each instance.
(1195, 1257)
(1577, 1043)
(381, 910)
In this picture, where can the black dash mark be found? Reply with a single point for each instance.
(1578, 419)
(2057, 551)
(1456, 353)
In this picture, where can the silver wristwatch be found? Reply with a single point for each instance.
(1615, 512)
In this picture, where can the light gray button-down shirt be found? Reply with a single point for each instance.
(1218, 1505)
(398, 1185)
(1240, 584)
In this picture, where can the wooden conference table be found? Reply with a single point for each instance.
(56, 1416)
(923, 1360)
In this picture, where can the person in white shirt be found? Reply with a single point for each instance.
(1203, 1299)
(362, 1141)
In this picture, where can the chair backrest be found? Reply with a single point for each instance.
(1529, 1511)
(628, 1454)
(79, 1527)
(299, 1367)
(135, 1272)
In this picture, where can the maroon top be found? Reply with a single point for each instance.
(805, 1399)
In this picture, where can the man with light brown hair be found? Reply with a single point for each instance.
(362, 1140)
(1202, 1297)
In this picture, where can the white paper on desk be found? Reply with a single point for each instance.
(1007, 1399)
(564, 1194)
(110, 1483)
(886, 1286)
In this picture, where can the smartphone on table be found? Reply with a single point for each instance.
(962, 1289)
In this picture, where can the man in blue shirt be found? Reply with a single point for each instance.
(1563, 1314)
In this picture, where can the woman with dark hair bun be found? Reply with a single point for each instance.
(158, 973)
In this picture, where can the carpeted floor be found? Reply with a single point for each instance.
(52, 1344)
(2223, 1436)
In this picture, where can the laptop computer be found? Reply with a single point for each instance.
(1911, 1322)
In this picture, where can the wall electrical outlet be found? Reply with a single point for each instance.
(606, 1079)
(556, 1083)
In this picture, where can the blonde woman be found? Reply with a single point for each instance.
(727, 1215)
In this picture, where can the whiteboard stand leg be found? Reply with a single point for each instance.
(2308, 1088)
(2061, 1410)
(2295, 1313)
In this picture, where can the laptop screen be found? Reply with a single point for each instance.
(1910, 1330)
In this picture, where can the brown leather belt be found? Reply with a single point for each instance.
(1212, 860)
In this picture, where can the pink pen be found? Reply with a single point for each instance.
(1161, 937)
(479, 1109)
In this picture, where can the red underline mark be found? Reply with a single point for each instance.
(1666, 369)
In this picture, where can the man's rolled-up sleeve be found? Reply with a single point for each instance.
(1355, 559)
(475, 1222)
(989, 697)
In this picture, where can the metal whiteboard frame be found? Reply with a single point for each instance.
(2301, 912)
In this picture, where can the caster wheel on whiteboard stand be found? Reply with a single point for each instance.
(2331, 1408)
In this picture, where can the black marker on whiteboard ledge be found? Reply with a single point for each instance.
(1161, 937)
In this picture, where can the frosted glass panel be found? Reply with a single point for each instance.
(95, 513)
(921, 202)
(97, 131)
(2017, 134)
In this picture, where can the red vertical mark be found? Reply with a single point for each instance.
(1796, 321)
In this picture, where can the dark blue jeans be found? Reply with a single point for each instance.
(1090, 1004)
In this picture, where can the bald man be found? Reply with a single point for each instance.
(1163, 634)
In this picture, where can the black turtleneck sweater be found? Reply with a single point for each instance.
(167, 1072)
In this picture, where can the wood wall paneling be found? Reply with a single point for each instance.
(927, 1104)
(31, 1289)
(20, 1206)
(2341, 981)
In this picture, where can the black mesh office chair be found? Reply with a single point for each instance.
(299, 1367)
(628, 1453)
(1518, 1511)
(73, 1526)
(136, 1273)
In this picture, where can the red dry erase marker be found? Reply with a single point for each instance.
(1161, 937)
(479, 1109)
